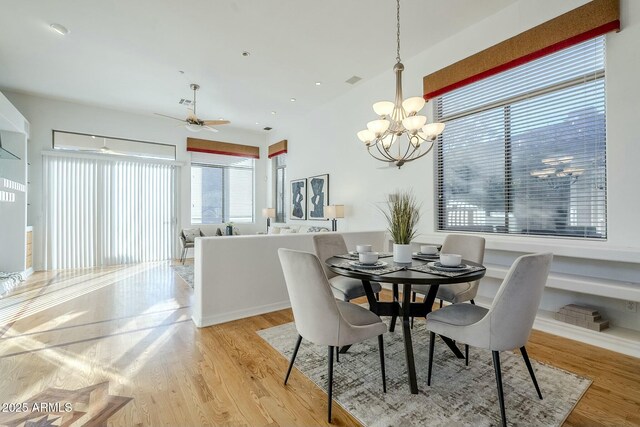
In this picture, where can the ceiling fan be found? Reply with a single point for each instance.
(192, 122)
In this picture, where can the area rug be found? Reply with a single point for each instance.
(186, 272)
(459, 395)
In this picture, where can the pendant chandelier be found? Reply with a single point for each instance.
(400, 135)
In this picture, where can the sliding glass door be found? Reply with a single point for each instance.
(107, 211)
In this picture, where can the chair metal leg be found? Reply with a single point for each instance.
(293, 357)
(432, 339)
(472, 301)
(466, 355)
(525, 356)
(441, 303)
(396, 297)
(337, 354)
(413, 299)
(330, 384)
(496, 366)
(384, 375)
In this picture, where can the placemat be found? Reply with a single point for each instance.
(426, 268)
(379, 271)
(352, 256)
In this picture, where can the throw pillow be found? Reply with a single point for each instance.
(190, 234)
(288, 231)
(317, 229)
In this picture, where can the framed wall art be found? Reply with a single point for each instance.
(298, 208)
(317, 196)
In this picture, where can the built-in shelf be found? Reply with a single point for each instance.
(616, 289)
(615, 338)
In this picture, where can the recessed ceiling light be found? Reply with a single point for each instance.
(318, 83)
(245, 53)
(273, 112)
(257, 123)
(60, 29)
(93, 136)
(292, 100)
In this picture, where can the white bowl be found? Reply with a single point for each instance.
(368, 257)
(450, 260)
(364, 248)
(428, 249)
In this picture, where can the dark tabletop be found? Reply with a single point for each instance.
(407, 276)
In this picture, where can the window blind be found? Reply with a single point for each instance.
(222, 188)
(524, 151)
(106, 212)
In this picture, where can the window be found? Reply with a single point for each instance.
(95, 144)
(280, 165)
(524, 150)
(221, 189)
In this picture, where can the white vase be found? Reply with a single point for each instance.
(401, 253)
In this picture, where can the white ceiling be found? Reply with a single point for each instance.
(126, 54)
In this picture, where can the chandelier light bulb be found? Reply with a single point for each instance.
(378, 127)
(366, 136)
(387, 141)
(413, 105)
(432, 130)
(383, 108)
(413, 123)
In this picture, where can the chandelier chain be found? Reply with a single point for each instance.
(398, 31)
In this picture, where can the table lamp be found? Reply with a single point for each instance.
(334, 212)
(269, 213)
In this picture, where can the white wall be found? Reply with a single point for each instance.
(46, 115)
(324, 141)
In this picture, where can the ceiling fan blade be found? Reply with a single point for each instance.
(216, 122)
(210, 128)
(169, 117)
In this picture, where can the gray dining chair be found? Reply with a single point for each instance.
(344, 288)
(322, 319)
(471, 248)
(506, 325)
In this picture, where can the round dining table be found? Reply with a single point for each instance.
(406, 309)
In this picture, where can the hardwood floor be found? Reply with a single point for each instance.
(118, 344)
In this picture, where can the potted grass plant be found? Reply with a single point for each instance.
(402, 214)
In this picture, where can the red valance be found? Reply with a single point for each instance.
(593, 19)
(278, 148)
(225, 148)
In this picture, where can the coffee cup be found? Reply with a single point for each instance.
(368, 257)
(450, 260)
(364, 248)
(428, 249)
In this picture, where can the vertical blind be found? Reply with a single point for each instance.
(222, 188)
(105, 212)
(524, 151)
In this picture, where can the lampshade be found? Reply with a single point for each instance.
(269, 212)
(414, 123)
(433, 129)
(334, 211)
(413, 105)
(378, 127)
(383, 108)
(366, 136)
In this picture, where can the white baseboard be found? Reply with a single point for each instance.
(239, 314)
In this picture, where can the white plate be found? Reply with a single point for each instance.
(426, 255)
(358, 264)
(439, 266)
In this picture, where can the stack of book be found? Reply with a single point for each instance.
(586, 317)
